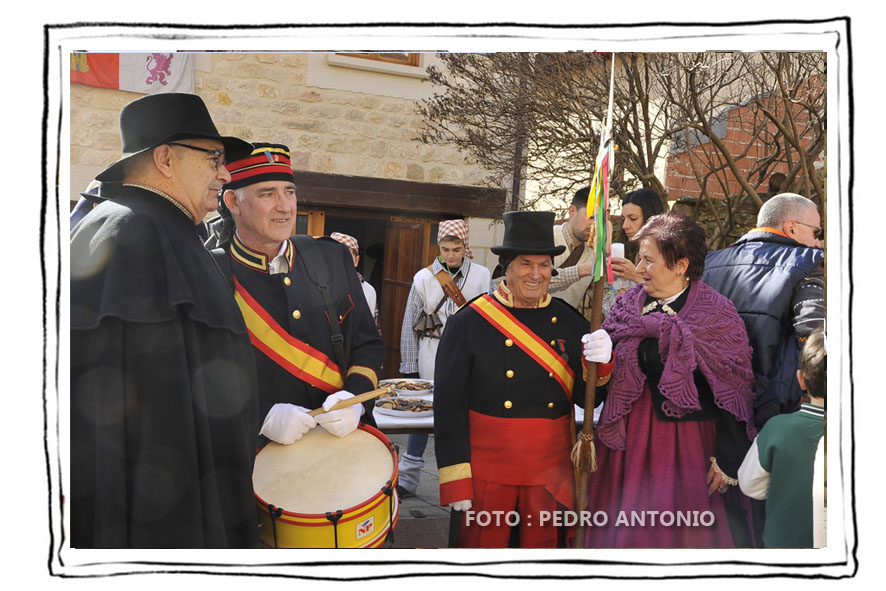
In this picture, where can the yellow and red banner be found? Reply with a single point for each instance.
(298, 358)
(499, 317)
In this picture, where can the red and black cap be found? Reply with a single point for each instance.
(266, 162)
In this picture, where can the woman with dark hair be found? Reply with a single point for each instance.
(678, 413)
(636, 208)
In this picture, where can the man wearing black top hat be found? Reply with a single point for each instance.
(164, 405)
(276, 286)
(508, 369)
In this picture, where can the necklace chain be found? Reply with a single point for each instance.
(164, 195)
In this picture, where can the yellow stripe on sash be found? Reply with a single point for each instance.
(293, 355)
(528, 341)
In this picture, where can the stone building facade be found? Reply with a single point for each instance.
(351, 123)
(335, 117)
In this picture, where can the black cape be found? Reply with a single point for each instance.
(164, 399)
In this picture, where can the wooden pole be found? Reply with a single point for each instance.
(586, 462)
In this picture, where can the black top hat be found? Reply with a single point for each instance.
(156, 119)
(528, 232)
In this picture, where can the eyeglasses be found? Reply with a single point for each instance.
(817, 231)
(217, 155)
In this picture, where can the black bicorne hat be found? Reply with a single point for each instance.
(528, 232)
(156, 119)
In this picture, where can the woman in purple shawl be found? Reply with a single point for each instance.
(677, 418)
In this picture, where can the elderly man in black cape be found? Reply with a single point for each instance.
(164, 404)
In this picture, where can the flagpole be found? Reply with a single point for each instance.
(584, 454)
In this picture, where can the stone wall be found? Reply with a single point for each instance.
(270, 97)
(483, 234)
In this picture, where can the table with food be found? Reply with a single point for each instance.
(410, 408)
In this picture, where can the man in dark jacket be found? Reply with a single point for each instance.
(164, 399)
(773, 275)
(508, 369)
(301, 364)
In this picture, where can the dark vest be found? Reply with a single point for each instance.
(758, 274)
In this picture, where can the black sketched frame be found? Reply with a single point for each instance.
(838, 561)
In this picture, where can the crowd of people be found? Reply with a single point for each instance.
(192, 346)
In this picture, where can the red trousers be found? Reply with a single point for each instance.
(481, 527)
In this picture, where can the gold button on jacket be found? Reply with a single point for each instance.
(510, 373)
(508, 404)
(296, 314)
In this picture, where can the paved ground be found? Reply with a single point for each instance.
(423, 523)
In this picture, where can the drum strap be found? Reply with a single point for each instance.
(316, 266)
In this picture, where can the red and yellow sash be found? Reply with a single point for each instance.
(499, 317)
(296, 357)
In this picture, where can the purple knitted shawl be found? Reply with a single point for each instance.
(706, 333)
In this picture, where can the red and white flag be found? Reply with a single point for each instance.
(147, 73)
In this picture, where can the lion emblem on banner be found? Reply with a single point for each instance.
(158, 65)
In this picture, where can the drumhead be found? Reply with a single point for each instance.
(321, 472)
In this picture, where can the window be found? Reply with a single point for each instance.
(402, 70)
(405, 59)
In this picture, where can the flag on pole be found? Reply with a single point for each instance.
(147, 73)
(598, 203)
(598, 197)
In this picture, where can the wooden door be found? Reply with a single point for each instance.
(310, 222)
(406, 246)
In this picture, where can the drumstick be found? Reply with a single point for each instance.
(358, 399)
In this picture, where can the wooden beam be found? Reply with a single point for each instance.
(336, 190)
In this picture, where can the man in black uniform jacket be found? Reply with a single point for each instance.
(508, 369)
(276, 287)
(164, 398)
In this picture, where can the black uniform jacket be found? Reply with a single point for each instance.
(477, 369)
(164, 397)
(293, 301)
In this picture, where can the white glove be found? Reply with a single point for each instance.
(461, 505)
(597, 346)
(286, 423)
(343, 421)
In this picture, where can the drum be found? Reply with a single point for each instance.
(325, 491)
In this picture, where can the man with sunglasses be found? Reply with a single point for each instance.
(164, 393)
(774, 276)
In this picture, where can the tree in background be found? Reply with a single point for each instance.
(484, 110)
(537, 117)
(750, 124)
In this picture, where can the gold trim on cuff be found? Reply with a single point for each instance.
(453, 473)
(366, 372)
